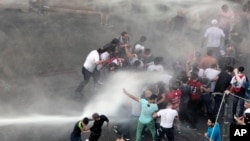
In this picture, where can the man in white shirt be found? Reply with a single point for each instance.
(157, 66)
(214, 37)
(168, 116)
(211, 74)
(89, 68)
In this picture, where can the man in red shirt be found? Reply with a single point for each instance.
(174, 95)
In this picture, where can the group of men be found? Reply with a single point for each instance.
(192, 85)
(95, 130)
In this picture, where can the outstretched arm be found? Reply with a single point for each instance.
(131, 96)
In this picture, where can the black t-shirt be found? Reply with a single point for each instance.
(223, 82)
(97, 125)
(76, 131)
(186, 93)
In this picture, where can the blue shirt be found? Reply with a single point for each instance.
(147, 111)
(215, 136)
(246, 85)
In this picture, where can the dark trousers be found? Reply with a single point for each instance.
(237, 100)
(94, 136)
(184, 113)
(195, 108)
(217, 102)
(206, 99)
(168, 131)
(73, 138)
(86, 76)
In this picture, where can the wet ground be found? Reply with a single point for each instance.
(41, 57)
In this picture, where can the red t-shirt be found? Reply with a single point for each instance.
(175, 98)
(196, 89)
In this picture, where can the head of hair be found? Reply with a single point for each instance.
(124, 33)
(95, 116)
(224, 7)
(143, 38)
(158, 60)
(184, 79)
(241, 69)
(213, 66)
(153, 97)
(115, 41)
(174, 85)
(209, 52)
(204, 81)
(229, 68)
(85, 120)
(137, 63)
(194, 76)
(99, 50)
(212, 119)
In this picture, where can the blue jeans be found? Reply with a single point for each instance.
(168, 131)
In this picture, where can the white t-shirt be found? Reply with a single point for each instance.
(104, 56)
(210, 73)
(139, 47)
(155, 68)
(214, 35)
(91, 59)
(167, 117)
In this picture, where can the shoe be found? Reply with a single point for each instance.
(78, 93)
(115, 129)
(100, 82)
(179, 132)
(127, 139)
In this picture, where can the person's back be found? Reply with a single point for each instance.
(146, 111)
(207, 61)
(167, 117)
(223, 82)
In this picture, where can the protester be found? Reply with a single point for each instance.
(168, 116)
(80, 126)
(89, 69)
(148, 107)
(96, 129)
(213, 132)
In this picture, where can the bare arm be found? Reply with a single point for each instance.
(101, 62)
(162, 99)
(187, 68)
(131, 96)
(128, 53)
(236, 74)
(155, 115)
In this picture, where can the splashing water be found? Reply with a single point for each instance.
(38, 119)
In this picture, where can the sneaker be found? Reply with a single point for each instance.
(100, 82)
(115, 129)
(127, 139)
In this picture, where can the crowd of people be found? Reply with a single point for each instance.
(197, 86)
